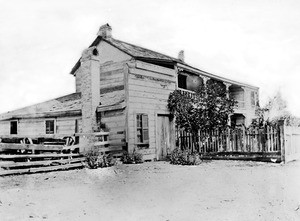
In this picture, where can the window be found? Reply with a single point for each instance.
(49, 126)
(182, 81)
(76, 126)
(142, 128)
(252, 98)
(14, 127)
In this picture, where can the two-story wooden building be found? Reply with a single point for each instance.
(125, 87)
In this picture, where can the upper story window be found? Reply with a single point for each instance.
(76, 126)
(142, 128)
(14, 127)
(188, 81)
(182, 81)
(50, 126)
(253, 98)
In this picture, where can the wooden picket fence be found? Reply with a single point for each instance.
(264, 141)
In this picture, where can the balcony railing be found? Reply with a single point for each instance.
(240, 103)
(187, 93)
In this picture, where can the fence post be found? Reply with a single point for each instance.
(244, 145)
(282, 140)
(228, 140)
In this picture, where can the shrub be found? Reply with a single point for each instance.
(97, 159)
(184, 157)
(135, 157)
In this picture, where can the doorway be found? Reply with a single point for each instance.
(163, 145)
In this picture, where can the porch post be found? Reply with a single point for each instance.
(228, 95)
(227, 88)
(229, 119)
(205, 79)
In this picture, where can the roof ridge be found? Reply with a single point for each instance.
(134, 45)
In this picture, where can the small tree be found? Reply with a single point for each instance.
(206, 109)
(275, 110)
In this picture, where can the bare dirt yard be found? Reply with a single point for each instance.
(216, 190)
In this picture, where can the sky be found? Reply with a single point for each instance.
(255, 42)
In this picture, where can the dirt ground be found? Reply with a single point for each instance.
(216, 190)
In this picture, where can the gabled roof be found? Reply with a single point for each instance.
(139, 52)
(135, 51)
(66, 105)
(144, 54)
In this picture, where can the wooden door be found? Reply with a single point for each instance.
(163, 141)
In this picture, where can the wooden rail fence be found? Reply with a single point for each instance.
(23, 155)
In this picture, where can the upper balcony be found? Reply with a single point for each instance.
(238, 94)
(246, 98)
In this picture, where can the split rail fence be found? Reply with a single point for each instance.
(31, 155)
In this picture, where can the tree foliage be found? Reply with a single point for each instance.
(207, 108)
(275, 110)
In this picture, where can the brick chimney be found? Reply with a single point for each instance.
(181, 55)
(90, 94)
(105, 31)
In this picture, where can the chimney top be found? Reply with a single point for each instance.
(105, 31)
(181, 55)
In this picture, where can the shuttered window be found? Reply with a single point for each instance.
(142, 128)
(49, 126)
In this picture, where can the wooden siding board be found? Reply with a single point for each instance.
(152, 74)
(155, 68)
(36, 127)
(152, 90)
(110, 85)
(136, 80)
(113, 66)
(139, 94)
(148, 93)
(111, 73)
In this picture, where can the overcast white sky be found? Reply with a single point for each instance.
(254, 41)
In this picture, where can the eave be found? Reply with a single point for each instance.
(68, 113)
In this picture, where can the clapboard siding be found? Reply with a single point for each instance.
(134, 80)
(65, 125)
(151, 74)
(36, 126)
(29, 127)
(149, 87)
(111, 77)
(147, 95)
(4, 127)
(154, 68)
(115, 122)
(150, 90)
